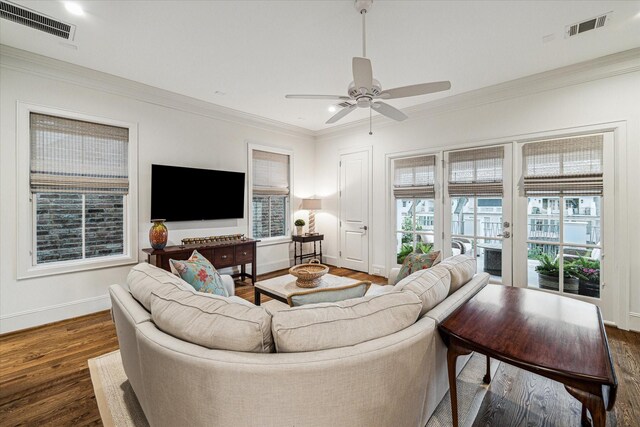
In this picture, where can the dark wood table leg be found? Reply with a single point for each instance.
(487, 376)
(591, 402)
(254, 264)
(243, 271)
(453, 352)
(320, 251)
(256, 296)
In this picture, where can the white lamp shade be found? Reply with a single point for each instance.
(311, 204)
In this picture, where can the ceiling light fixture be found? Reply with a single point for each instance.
(73, 8)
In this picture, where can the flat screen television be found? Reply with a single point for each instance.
(188, 194)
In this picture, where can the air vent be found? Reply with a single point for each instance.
(588, 25)
(36, 20)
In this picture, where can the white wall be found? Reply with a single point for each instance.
(616, 98)
(167, 134)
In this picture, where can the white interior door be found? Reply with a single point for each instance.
(481, 226)
(354, 210)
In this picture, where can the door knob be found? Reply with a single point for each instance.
(506, 235)
(364, 227)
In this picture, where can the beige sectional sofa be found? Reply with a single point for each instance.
(385, 368)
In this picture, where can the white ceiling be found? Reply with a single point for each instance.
(255, 52)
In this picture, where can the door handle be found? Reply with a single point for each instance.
(506, 235)
(364, 227)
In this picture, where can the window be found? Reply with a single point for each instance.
(75, 209)
(78, 179)
(270, 194)
(414, 191)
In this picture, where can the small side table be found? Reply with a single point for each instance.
(298, 241)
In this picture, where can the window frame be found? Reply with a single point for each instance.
(251, 147)
(27, 266)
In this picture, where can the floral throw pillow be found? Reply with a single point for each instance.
(201, 274)
(416, 262)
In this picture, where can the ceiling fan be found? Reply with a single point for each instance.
(365, 91)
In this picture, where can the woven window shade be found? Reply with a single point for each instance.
(270, 173)
(72, 156)
(414, 177)
(476, 172)
(563, 166)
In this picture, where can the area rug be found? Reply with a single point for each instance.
(119, 406)
(116, 400)
(471, 391)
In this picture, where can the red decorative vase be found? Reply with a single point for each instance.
(158, 234)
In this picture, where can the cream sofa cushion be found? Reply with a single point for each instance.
(462, 269)
(212, 321)
(145, 278)
(430, 285)
(345, 323)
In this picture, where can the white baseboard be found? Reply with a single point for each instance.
(634, 322)
(53, 313)
(331, 260)
(273, 266)
(379, 270)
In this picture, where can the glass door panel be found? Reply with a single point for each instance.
(480, 226)
(563, 245)
(415, 229)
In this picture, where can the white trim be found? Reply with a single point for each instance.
(274, 241)
(31, 63)
(595, 69)
(600, 68)
(26, 268)
(634, 322)
(381, 268)
(274, 266)
(614, 303)
(251, 146)
(330, 259)
(53, 313)
(369, 150)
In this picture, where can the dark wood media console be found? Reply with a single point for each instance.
(221, 254)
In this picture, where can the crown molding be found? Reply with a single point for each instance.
(624, 62)
(607, 66)
(28, 62)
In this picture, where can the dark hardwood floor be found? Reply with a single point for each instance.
(44, 377)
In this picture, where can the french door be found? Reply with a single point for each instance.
(477, 208)
(564, 210)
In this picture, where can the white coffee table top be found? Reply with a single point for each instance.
(283, 286)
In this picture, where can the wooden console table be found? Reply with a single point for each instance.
(221, 254)
(306, 238)
(553, 336)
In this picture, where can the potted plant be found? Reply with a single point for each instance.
(588, 272)
(299, 224)
(549, 274)
(405, 250)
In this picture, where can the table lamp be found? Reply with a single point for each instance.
(312, 205)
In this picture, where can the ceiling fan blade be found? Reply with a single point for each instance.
(362, 73)
(415, 90)
(389, 111)
(340, 114)
(333, 97)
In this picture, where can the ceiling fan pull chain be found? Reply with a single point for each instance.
(364, 34)
(370, 131)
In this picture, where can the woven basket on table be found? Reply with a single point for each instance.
(309, 275)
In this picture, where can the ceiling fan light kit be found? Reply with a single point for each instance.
(364, 91)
